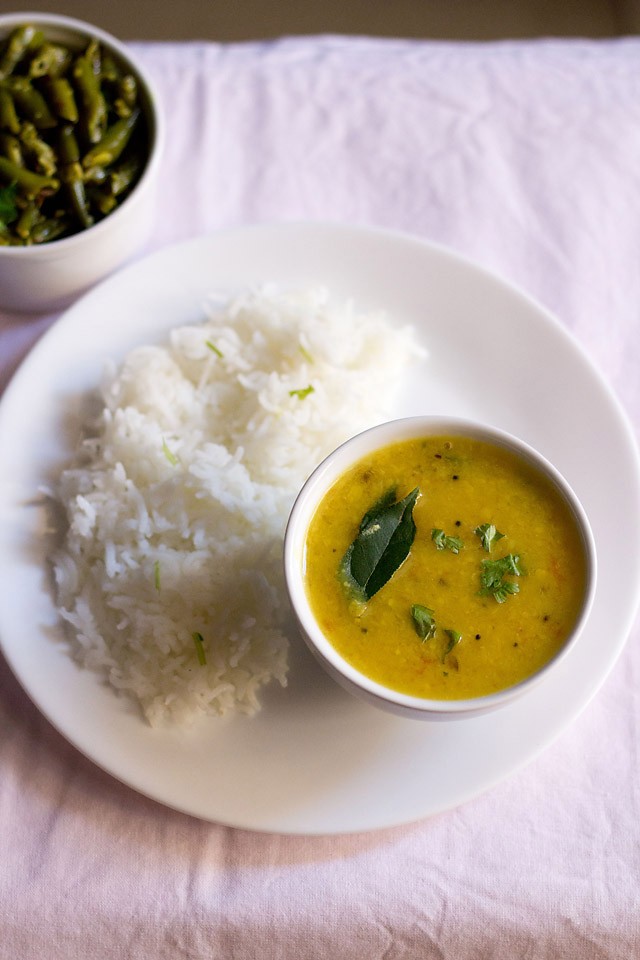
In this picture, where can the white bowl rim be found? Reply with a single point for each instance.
(156, 117)
(333, 466)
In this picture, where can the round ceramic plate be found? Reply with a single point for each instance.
(315, 760)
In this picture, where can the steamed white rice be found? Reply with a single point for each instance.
(177, 503)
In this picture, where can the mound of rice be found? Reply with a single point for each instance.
(177, 502)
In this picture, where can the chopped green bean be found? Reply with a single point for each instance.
(52, 60)
(49, 230)
(72, 176)
(43, 154)
(103, 200)
(22, 40)
(115, 139)
(11, 149)
(92, 103)
(27, 220)
(125, 102)
(30, 102)
(62, 98)
(95, 175)
(121, 177)
(32, 184)
(8, 116)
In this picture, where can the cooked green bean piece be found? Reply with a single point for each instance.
(72, 176)
(93, 106)
(22, 41)
(30, 184)
(49, 230)
(8, 117)
(96, 175)
(62, 98)
(68, 148)
(38, 148)
(27, 220)
(121, 178)
(125, 102)
(103, 201)
(94, 56)
(109, 70)
(115, 139)
(11, 149)
(30, 102)
(9, 206)
(128, 89)
(51, 60)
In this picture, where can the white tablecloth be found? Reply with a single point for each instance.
(525, 157)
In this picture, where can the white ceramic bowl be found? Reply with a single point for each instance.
(50, 275)
(320, 645)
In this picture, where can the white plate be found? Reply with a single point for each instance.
(314, 760)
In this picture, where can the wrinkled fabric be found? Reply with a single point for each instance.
(525, 157)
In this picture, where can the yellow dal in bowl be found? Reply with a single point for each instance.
(464, 483)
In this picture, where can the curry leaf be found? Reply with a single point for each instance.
(383, 543)
(386, 500)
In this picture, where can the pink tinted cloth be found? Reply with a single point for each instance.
(525, 157)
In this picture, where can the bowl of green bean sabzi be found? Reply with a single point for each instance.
(81, 135)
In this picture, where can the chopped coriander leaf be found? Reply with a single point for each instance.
(198, 639)
(156, 575)
(492, 577)
(171, 457)
(508, 588)
(454, 638)
(488, 535)
(301, 394)
(423, 621)
(214, 349)
(443, 542)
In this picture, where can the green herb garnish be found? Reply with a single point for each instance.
(198, 639)
(156, 575)
(384, 539)
(423, 620)
(8, 206)
(214, 349)
(443, 542)
(171, 457)
(492, 577)
(301, 394)
(454, 638)
(305, 353)
(488, 535)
